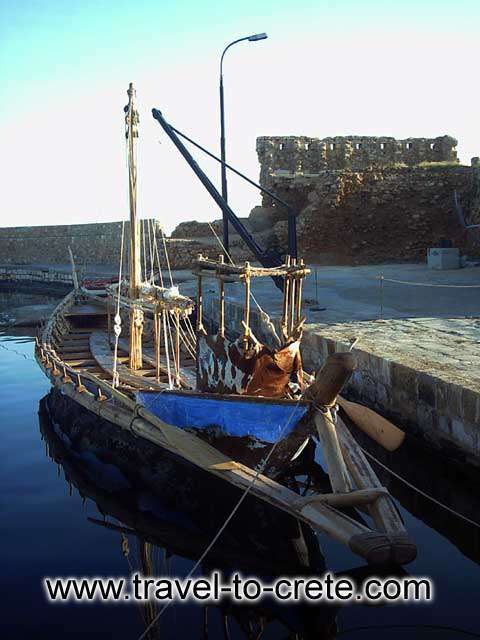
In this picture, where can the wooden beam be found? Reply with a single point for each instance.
(337, 469)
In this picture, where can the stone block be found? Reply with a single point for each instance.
(426, 385)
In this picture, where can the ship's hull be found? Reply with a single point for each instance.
(77, 355)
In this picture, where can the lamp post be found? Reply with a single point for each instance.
(253, 38)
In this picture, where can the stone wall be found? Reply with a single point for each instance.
(303, 155)
(378, 214)
(92, 244)
(97, 243)
(423, 402)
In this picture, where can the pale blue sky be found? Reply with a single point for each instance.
(328, 68)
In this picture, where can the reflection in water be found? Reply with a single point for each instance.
(10, 299)
(436, 475)
(165, 506)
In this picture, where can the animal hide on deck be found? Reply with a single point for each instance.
(225, 367)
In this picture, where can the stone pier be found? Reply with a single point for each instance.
(422, 373)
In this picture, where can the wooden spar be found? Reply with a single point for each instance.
(246, 325)
(350, 499)
(291, 305)
(323, 392)
(74, 269)
(286, 296)
(388, 435)
(331, 378)
(136, 315)
(221, 286)
(337, 469)
(383, 511)
(212, 268)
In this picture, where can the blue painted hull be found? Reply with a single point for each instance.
(263, 419)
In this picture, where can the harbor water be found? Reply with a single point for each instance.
(66, 514)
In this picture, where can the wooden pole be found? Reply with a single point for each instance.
(331, 378)
(246, 334)
(74, 269)
(136, 315)
(329, 381)
(158, 342)
(165, 338)
(298, 292)
(221, 285)
(177, 348)
(286, 297)
(109, 320)
(337, 469)
(199, 301)
(291, 306)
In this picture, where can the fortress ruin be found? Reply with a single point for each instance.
(301, 155)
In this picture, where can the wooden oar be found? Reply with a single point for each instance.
(374, 425)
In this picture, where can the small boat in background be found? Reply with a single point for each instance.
(238, 409)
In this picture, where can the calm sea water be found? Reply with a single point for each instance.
(49, 529)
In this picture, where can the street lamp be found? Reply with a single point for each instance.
(254, 38)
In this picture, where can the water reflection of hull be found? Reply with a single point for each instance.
(442, 479)
(161, 500)
(166, 499)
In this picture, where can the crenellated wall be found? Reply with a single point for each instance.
(303, 155)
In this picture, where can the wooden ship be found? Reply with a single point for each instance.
(139, 354)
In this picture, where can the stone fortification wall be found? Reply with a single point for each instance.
(92, 244)
(97, 243)
(303, 155)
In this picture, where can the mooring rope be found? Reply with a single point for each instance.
(422, 493)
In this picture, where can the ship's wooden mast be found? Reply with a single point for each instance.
(136, 314)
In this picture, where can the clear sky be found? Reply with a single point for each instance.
(329, 67)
